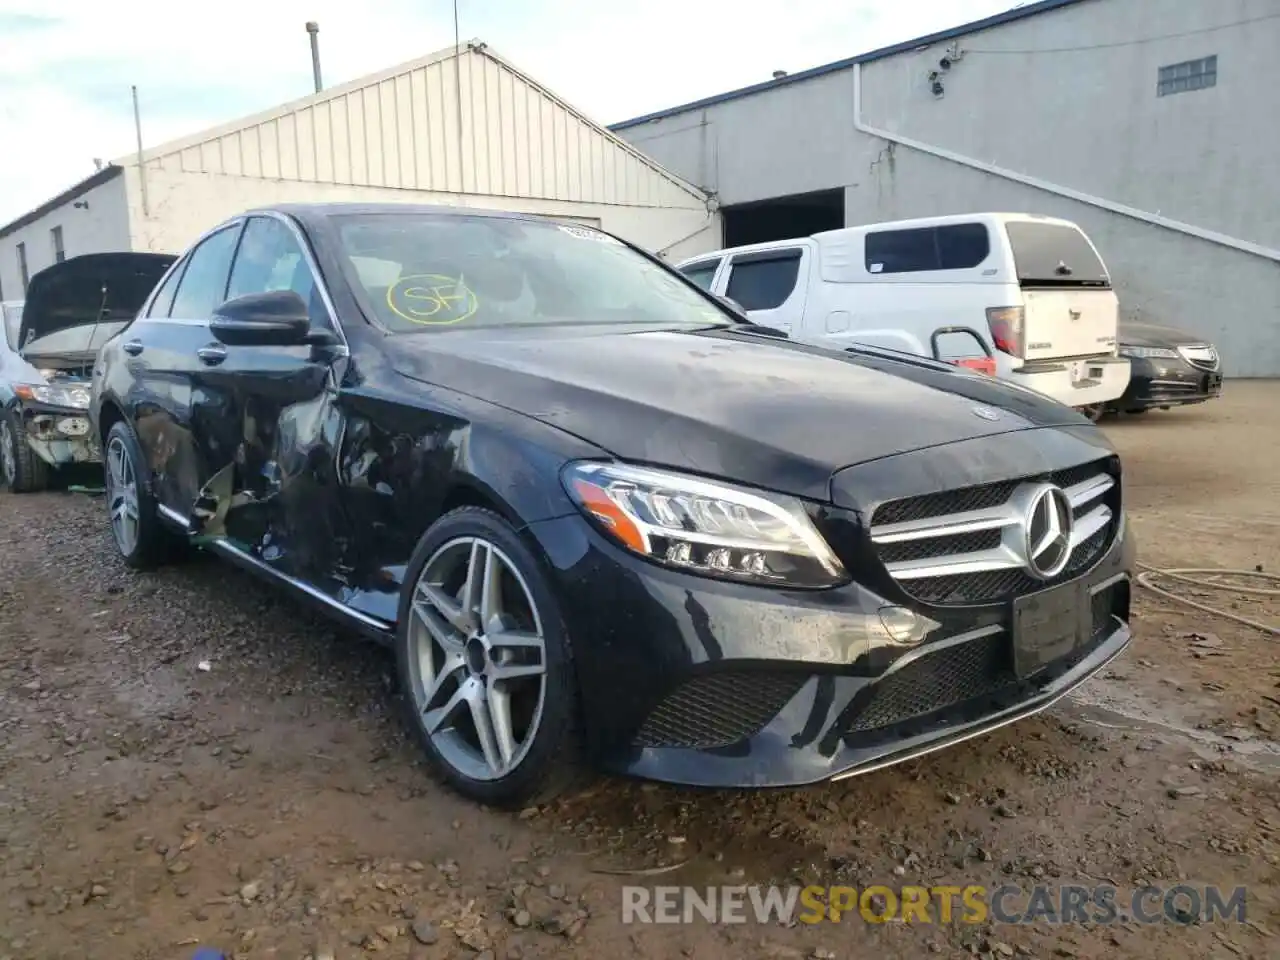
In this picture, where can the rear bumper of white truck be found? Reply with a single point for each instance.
(1077, 382)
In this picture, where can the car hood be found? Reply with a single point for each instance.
(89, 289)
(774, 414)
(1136, 333)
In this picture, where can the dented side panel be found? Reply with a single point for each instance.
(398, 468)
(153, 389)
(242, 409)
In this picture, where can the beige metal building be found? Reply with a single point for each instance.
(461, 127)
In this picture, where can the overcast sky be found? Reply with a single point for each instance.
(66, 65)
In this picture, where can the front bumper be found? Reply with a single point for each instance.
(1168, 383)
(695, 681)
(59, 435)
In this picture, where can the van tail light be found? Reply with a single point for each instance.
(1007, 325)
(985, 365)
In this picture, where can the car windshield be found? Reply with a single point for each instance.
(432, 272)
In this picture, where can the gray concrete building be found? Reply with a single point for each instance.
(1154, 124)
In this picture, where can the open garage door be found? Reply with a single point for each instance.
(783, 218)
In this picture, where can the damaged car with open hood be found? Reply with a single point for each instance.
(602, 519)
(50, 340)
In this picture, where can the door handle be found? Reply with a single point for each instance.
(212, 355)
(132, 347)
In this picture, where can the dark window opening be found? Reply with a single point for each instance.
(783, 218)
(23, 275)
(957, 246)
(59, 251)
(763, 282)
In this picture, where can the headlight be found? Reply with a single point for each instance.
(1148, 353)
(55, 395)
(705, 527)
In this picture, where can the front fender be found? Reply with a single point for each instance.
(400, 466)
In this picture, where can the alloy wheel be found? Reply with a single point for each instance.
(477, 658)
(122, 496)
(8, 461)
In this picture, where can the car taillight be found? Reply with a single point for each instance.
(985, 365)
(1006, 325)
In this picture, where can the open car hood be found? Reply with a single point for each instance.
(89, 289)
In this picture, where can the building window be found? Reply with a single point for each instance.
(23, 275)
(1188, 75)
(59, 251)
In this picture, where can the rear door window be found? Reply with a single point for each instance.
(763, 281)
(702, 273)
(1054, 254)
(203, 285)
(163, 300)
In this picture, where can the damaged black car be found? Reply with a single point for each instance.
(602, 519)
(46, 359)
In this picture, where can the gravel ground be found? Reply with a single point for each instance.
(270, 804)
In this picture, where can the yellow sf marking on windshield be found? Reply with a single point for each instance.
(432, 299)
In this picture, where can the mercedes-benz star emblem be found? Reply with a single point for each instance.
(986, 413)
(1048, 525)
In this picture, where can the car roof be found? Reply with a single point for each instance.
(829, 238)
(309, 213)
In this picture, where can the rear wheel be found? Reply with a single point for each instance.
(1093, 411)
(21, 471)
(485, 663)
(136, 528)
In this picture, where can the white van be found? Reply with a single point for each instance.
(1031, 291)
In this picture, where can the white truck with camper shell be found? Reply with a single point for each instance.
(1025, 298)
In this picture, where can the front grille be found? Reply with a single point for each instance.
(1200, 355)
(718, 709)
(967, 546)
(941, 504)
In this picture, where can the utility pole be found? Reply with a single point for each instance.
(313, 28)
(142, 169)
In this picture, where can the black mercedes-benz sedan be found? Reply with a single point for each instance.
(603, 520)
(1169, 368)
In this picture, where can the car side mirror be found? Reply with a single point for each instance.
(733, 305)
(276, 319)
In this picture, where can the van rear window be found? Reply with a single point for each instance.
(1051, 254)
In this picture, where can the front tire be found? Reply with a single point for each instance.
(21, 471)
(136, 528)
(486, 665)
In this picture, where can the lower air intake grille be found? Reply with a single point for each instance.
(718, 710)
(936, 681)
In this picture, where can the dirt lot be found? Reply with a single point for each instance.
(271, 806)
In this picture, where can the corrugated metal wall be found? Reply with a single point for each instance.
(468, 124)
